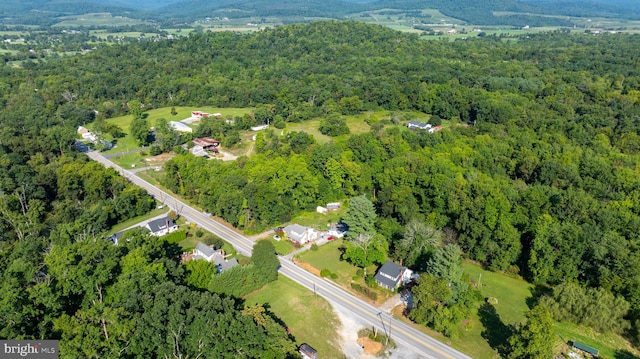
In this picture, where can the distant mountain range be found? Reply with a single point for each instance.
(480, 12)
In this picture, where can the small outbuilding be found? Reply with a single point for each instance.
(207, 144)
(180, 127)
(418, 125)
(307, 352)
(586, 349)
(333, 206)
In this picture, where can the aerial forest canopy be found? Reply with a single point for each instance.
(539, 176)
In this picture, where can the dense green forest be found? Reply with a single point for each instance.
(536, 174)
(539, 178)
(61, 280)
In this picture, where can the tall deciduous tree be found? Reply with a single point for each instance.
(534, 338)
(417, 239)
(140, 131)
(366, 249)
(265, 260)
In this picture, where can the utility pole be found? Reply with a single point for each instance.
(383, 326)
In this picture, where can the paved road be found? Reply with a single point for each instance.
(403, 334)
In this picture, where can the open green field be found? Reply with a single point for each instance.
(13, 33)
(493, 321)
(283, 247)
(178, 31)
(328, 257)
(128, 143)
(131, 160)
(133, 221)
(514, 292)
(310, 319)
(356, 123)
(97, 19)
(317, 220)
(103, 34)
(512, 295)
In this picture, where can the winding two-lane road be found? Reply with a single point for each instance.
(404, 335)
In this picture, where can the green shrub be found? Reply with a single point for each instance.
(334, 276)
(360, 272)
(355, 278)
(435, 120)
(364, 290)
(212, 240)
(371, 281)
(325, 273)
(279, 125)
(314, 247)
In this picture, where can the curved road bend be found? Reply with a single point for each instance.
(402, 333)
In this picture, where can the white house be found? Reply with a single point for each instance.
(391, 275)
(161, 226)
(217, 256)
(418, 125)
(300, 234)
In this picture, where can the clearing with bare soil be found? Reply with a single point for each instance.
(370, 346)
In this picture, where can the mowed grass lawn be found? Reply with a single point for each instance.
(310, 320)
(327, 256)
(356, 123)
(128, 143)
(512, 295)
(317, 220)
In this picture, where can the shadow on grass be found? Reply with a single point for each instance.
(538, 292)
(496, 333)
(624, 354)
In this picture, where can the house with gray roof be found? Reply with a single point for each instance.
(300, 235)
(161, 226)
(391, 275)
(418, 125)
(217, 256)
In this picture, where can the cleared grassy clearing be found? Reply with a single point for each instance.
(128, 143)
(328, 257)
(133, 221)
(283, 247)
(97, 19)
(317, 220)
(356, 123)
(512, 293)
(131, 160)
(310, 319)
(514, 296)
